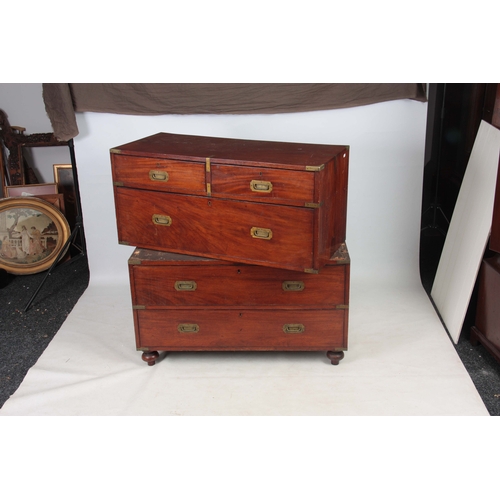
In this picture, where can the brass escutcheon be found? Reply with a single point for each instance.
(188, 328)
(185, 286)
(294, 328)
(261, 186)
(261, 233)
(162, 220)
(158, 175)
(293, 286)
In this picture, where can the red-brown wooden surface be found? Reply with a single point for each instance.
(492, 115)
(487, 322)
(495, 223)
(231, 151)
(242, 285)
(288, 187)
(183, 177)
(242, 329)
(230, 166)
(217, 228)
(237, 307)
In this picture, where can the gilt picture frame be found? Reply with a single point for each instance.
(63, 177)
(32, 234)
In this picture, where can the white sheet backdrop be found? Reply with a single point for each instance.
(400, 359)
(385, 176)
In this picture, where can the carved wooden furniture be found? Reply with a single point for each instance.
(186, 303)
(272, 204)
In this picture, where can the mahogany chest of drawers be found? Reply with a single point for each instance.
(279, 205)
(187, 303)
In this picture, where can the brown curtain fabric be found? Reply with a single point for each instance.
(62, 100)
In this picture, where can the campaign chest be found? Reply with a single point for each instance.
(272, 204)
(189, 303)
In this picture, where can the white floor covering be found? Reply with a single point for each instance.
(400, 362)
(400, 359)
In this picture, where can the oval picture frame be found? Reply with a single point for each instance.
(32, 234)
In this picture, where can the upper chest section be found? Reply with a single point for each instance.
(261, 171)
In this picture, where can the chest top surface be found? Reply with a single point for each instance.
(143, 256)
(235, 151)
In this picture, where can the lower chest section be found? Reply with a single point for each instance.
(190, 303)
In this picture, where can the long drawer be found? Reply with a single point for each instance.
(240, 329)
(255, 233)
(216, 285)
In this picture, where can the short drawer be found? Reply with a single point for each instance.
(238, 285)
(159, 174)
(244, 329)
(263, 184)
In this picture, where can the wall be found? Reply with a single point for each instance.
(385, 176)
(385, 172)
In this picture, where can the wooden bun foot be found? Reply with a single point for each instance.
(335, 356)
(150, 357)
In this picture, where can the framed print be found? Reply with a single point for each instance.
(30, 190)
(63, 177)
(47, 191)
(54, 199)
(32, 234)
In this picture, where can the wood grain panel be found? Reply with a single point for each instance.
(183, 177)
(219, 229)
(241, 329)
(231, 151)
(287, 187)
(238, 286)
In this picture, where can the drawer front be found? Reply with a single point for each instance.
(201, 329)
(159, 174)
(237, 286)
(254, 233)
(263, 184)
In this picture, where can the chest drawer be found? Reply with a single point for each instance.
(240, 329)
(198, 282)
(263, 185)
(159, 174)
(269, 235)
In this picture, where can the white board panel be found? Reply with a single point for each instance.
(468, 233)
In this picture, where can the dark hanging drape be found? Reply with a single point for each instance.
(62, 100)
